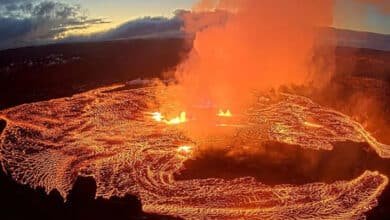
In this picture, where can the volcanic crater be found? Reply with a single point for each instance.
(108, 134)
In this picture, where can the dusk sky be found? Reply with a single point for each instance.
(349, 14)
(27, 22)
(120, 11)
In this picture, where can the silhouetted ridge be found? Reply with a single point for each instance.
(22, 202)
(83, 205)
(3, 124)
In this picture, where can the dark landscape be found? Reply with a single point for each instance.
(48, 78)
(41, 73)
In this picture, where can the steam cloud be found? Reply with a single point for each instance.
(262, 45)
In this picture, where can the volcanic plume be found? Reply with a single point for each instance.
(262, 45)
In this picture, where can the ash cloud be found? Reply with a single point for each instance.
(26, 22)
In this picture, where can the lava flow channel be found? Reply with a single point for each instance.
(105, 134)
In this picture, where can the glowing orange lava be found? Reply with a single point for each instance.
(185, 149)
(182, 118)
(157, 116)
(311, 124)
(227, 114)
(103, 133)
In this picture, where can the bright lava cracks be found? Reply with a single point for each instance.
(105, 134)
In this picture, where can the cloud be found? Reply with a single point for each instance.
(147, 26)
(31, 22)
(25, 22)
(175, 25)
(152, 27)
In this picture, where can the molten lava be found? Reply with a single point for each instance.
(311, 124)
(227, 114)
(182, 118)
(104, 134)
(178, 120)
(185, 149)
(157, 116)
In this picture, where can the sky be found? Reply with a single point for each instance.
(349, 14)
(120, 11)
(362, 16)
(28, 22)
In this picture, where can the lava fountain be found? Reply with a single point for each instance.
(182, 118)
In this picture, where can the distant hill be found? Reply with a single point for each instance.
(44, 72)
(357, 39)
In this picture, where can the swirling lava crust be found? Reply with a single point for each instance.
(105, 134)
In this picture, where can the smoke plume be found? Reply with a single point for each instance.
(261, 46)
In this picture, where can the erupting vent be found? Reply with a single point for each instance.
(107, 135)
